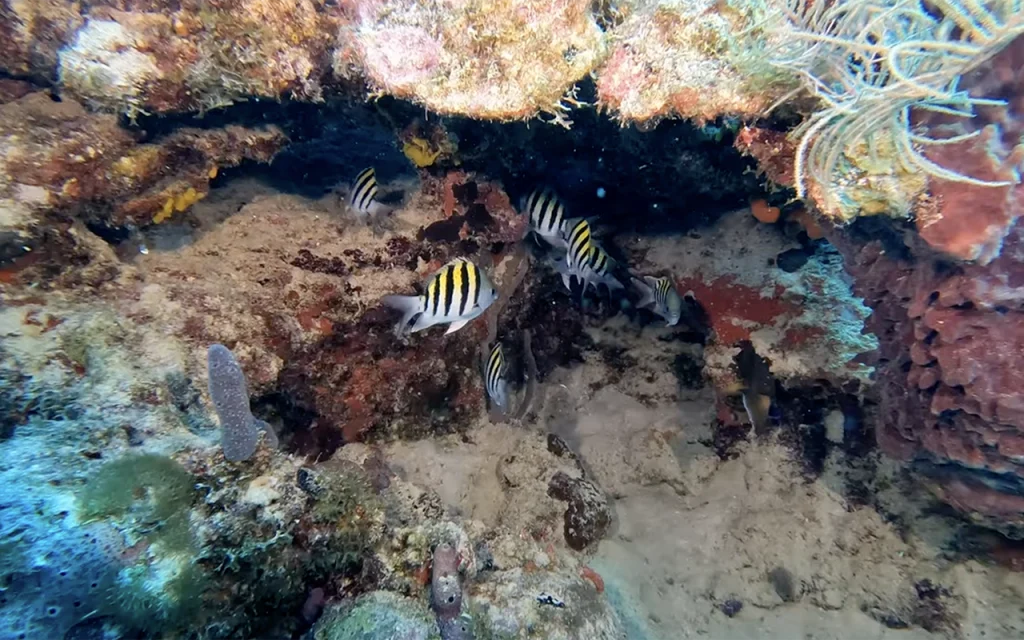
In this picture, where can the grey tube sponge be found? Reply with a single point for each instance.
(240, 431)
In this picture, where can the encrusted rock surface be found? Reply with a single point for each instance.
(966, 221)
(63, 163)
(503, 60)
(808, 323)
(950, 361)
(588, 515)
(679, 59)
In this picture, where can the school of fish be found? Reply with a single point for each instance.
(460, 291)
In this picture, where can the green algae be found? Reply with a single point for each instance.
(380, 615)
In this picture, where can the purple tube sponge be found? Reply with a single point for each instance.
(445, 585)
(240, 431)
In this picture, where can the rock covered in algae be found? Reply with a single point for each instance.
(196, 56)
(682, 58)
(493, 60)
(503, 60)
(380, 615)
(62, 162)
(808, 322)
(482, 59)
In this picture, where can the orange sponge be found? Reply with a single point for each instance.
(805, 219)
(763, 212)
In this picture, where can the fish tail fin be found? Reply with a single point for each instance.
(646, 292)
(408, 305)
(758, 408)
(376, 209)
(612, 282)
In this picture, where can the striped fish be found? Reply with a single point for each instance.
(663, 295)
(363, 197)
(456, 294)
(547, 215)
(580, 242)
(586, 260)
(599, 269)
(497, 386)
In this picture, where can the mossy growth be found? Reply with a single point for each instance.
(345, 503)
(478, 620)
(150, 489)
(148, 497)
(343, 496)
(158, 596)
(379, 615)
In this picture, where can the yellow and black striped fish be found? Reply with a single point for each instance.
(497, 386)
(364, 192)
(579, 239)
(600, 262)
(586, 260)
(457, 293)
(660, 292)
(547, 214)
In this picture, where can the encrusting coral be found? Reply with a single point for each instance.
(680, 58)
(505, 60)
(63, 163)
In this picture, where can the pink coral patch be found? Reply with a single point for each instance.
(399, 57)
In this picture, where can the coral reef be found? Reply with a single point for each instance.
(876, 68)
(196, 56)
(506, 60)
(62, 164)
(949, 351)
(948, 334)
(686, 59)
(160, 310)
(500, 60)
(806, 322)
(962, 189)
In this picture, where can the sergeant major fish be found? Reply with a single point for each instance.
(494, 378)
(547, 215)
(362, 200)
(586, 260)
(456, 294)
(663, 295)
